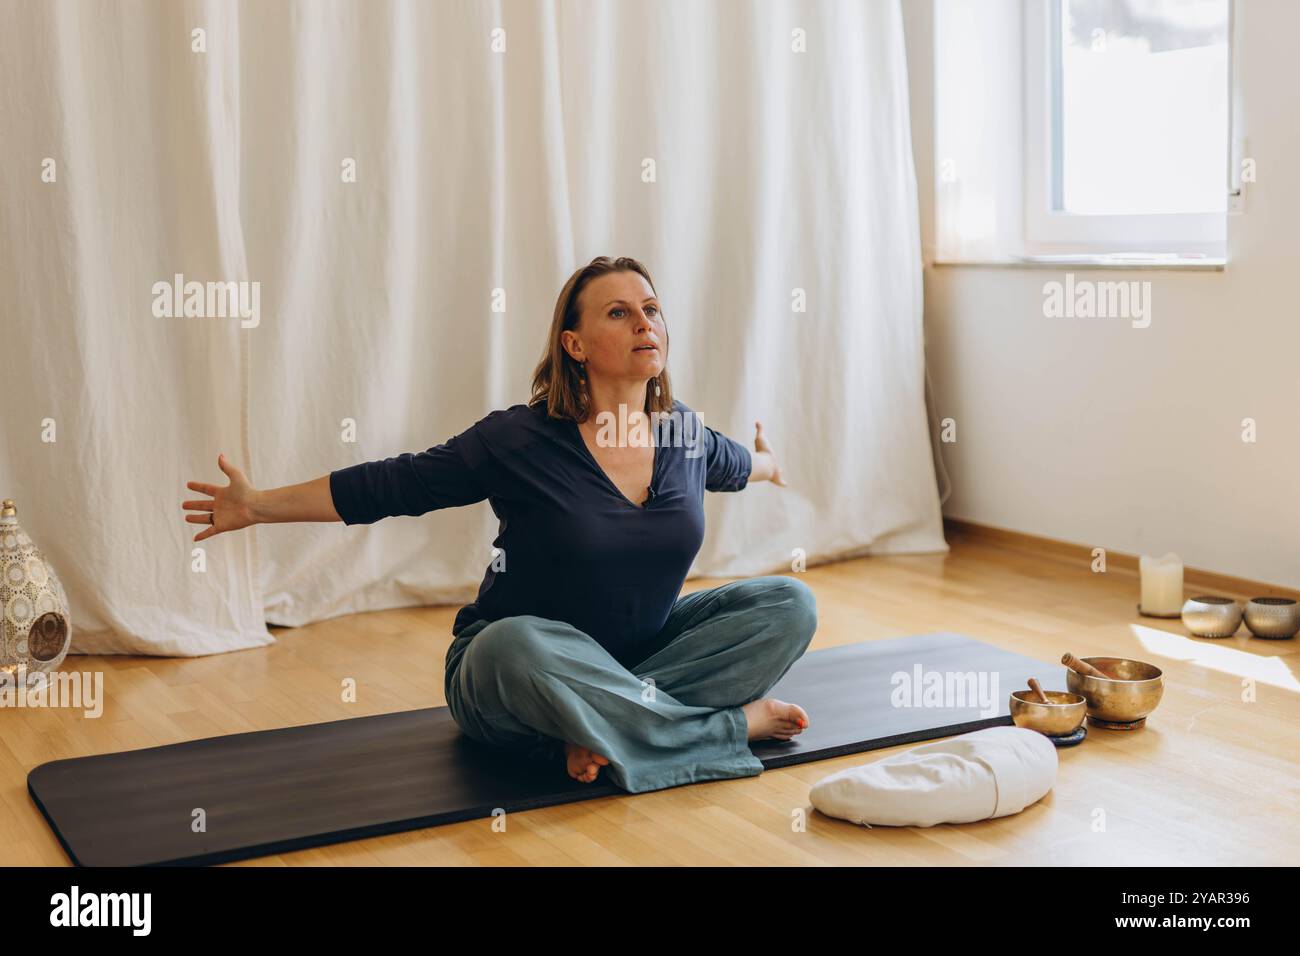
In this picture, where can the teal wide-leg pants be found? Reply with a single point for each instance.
(531, 683)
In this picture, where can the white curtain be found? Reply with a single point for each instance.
(755, 156)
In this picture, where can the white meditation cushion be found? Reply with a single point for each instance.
(977, 776)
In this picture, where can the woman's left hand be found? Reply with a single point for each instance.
(762, 447)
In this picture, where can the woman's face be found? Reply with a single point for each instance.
(619, 314)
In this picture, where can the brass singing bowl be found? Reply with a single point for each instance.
(1061, 715)
(1133, 693)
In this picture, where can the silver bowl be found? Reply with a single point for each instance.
(1209, 615)
(1274, 617)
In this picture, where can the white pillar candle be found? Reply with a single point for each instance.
(1162, 584)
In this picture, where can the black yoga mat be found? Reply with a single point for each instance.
(273, 791)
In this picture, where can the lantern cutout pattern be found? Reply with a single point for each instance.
(34, 621)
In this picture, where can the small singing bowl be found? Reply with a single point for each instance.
(1061, 715)
(1209, 615)
(1126, 698)
(1273, 617)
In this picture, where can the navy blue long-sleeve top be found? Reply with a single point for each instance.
(573, 547)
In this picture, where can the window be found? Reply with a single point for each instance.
(1126, 126)
(1083, 128)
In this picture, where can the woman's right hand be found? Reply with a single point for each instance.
(228, 509)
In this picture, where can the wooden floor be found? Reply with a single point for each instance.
(1210, 780)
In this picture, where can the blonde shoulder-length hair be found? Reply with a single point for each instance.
(556, 379)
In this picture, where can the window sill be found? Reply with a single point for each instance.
(1170, 263)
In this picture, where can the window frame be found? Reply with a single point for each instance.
(1047, 230)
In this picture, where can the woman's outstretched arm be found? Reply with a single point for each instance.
(239, 504)
(308, 501)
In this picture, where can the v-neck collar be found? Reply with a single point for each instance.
(654, 468)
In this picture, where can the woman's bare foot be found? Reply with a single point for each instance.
(774, 719)
(584, 764)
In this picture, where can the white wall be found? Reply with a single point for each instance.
(1092, 431)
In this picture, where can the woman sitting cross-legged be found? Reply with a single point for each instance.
(578, 646)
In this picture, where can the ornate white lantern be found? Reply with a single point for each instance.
(34, 622)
